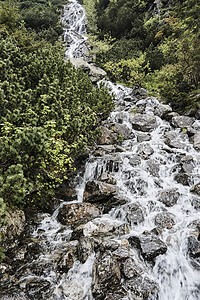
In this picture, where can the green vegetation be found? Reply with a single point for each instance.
(166, 35)
(48, 110)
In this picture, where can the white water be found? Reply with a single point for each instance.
(177, 278)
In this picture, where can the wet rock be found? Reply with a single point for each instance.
(187, 163)
(104, 227)
(142, 288)
(196, 203)
(174, 141)
(68, 258)
(107, 136)
(13, 228)
(122, 131)
(103, 244)
(143, 122)
(138, 92)
(131, 213)
(106, 177)
(103, 195)
(195, 189)
(105, 149)
(171, 115)
(96, 191)
(193, 247)
(165, 220)
(106, 276)
(131, 269)
(66, 191)
(145, 150)
(37, 288)
(149, 245)
(182, 121)
(153, 167)
(85, 248)
(142, 137)
(162, 110)
(169, 197)
(134, 160)
(137, 186)
(196, 141)
(95, 73)
(113, 164)
(77, 213)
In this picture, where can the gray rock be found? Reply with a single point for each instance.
(183, 178)
(196, 203)
(196, 189)
(165, 220)
(153, 167)
(107, 136)
(162, 110)
(142, 288)
(97, 191)
(122, 131)
(68, 257)
(106, 276)
(182, 121)
(13, 228)
(149, 245)
(171, 115)
(105, 149)
(94, 72)
(169, 197)
(145, 150)
(143, 122)
(194, 251)
(187, 163)
(196, 141)
(106, 177)
(142, 137)
(131, 213)
(134, 160)
(77, 213)
(131, 268)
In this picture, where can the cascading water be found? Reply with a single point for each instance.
(157, 217)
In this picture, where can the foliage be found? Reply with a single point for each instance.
(48, 115)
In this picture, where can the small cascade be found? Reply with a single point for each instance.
(133, 229)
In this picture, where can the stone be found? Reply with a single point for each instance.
(95, 73)
(149, 245)
(142, 288)
(122, 130)
(196, 203)
(97, 191)
(193, 247)
(143, 122)
(196, 141)
(68, 257)
(153, 167)
(106, 177)
(196, 189)
(183, 178)
(105, 149)
(171, 115)
(134, 160)
(162, 110)
(131, 268)
(66, 191)
(142, 137)
(182, 121)
(165, 220)
(77, 213)
(169, 196)
(13, 228)
(85, 248)
(131, 213)
(107, 136)
(145, 150)
(187, 163)
(106, 276)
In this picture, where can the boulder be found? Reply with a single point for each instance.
(165, 220)
(77, 213)
(101, 150)
(95, 73)
(134, 160)
(187, 163)
(182, 121)
(196, 141)
(162, 110)
(131, 213)
(196, 189)
(122, 130)
(143, 122)
(153, 167)
(169, 197)
(85, 248)
(143, 137)
(107, 136)
(13, 228)
(106, 276)
(68, 257)
(149, 245)
(145, 150)
(106, 177)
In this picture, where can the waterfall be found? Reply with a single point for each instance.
(141, 239)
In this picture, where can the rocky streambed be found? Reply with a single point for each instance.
(128, 226)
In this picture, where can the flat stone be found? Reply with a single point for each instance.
(143, 122)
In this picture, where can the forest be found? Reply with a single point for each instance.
(154, 44)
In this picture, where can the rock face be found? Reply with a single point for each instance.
(143, 122)
(13, 228)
